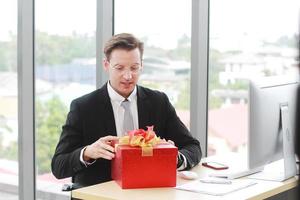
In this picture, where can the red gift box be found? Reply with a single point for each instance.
(131, 169)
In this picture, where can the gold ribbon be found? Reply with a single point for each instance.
(141, 138)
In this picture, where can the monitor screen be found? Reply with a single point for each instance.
(269, 99)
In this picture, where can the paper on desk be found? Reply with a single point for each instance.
(216, 189)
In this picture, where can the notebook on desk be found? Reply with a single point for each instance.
(216, 189)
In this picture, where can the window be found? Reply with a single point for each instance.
(65, 48)
(248, 39)
(165, 29)
(8, 101)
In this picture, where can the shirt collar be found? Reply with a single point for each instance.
(116, 97)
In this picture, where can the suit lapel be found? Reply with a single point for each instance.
(108, 114)
(143, 105)
(144, 108)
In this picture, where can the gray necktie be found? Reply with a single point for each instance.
(128, 120)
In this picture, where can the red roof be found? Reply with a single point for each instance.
(230, 123)
(10, 168)
(6, 171)
(50, 178)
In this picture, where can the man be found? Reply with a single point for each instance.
(96, 119)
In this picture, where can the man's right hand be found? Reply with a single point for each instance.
(100, 149)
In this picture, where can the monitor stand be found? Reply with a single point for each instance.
(289, 162)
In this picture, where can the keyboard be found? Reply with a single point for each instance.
(268, 176)
(236, 174)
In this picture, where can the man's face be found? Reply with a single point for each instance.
(124, 69)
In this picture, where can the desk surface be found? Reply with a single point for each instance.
(111, 190)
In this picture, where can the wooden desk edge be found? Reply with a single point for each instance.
(293, 182)
(79, 195)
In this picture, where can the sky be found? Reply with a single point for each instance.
(8, 18)
(164, 21)
(260, 18)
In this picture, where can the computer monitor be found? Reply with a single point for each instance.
(272, 106)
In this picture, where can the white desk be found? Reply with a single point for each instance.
(111, 190)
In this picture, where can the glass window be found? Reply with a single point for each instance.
(248, 39)
(165, 29)
(8, 101)
(65, 68)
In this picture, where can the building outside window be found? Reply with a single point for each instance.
(248, 40)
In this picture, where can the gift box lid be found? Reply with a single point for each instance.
(163, 148)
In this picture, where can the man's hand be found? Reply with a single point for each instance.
(180, 158)
(169, 141)
(100, 149)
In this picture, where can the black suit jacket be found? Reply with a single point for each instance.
(91, 117)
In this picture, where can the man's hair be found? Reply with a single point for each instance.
(124, 41)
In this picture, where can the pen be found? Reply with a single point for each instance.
(215, 181)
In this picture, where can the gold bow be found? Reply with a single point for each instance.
(144, 139)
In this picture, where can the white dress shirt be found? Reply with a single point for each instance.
(116, 100)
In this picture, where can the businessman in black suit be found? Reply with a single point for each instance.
(84, 151)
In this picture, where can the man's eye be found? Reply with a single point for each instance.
(134, 68)
(119, 68)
